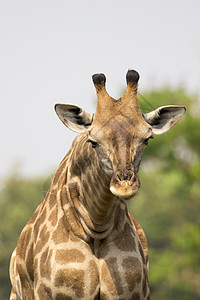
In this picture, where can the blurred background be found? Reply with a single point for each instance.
(49, 51)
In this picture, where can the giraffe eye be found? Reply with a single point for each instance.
(94, 144)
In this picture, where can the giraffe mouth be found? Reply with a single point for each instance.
(124, 186)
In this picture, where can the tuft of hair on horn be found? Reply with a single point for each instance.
(99, 79)
(132, 77)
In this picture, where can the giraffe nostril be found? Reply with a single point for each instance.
(125, 177)
(119, 176)
(134, 179)
(130, 176)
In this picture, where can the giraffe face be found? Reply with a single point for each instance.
(118, 132)
(119, 144)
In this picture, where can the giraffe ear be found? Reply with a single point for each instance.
(74, 117)
(164, 118)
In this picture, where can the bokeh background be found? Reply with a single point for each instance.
(49, 50)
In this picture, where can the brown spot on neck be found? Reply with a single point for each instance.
(61, 234)
(45, 260)
(112, 277)
(133, 275)
(71, 278)
(69, 255)
(23, 243)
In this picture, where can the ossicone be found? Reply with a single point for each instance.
(132, 77)
(99, 79)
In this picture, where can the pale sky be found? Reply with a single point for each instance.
(50, 49)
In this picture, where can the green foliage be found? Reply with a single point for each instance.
(167, 205)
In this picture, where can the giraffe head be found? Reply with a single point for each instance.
(119, 132)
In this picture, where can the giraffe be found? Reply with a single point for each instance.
(81, 242)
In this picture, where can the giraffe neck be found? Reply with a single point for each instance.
(88, 190)
(83, 192)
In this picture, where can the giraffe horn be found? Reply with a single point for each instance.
(103, 97)
(99, 81)
(132, 78)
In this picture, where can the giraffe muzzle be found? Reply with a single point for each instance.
(124, 185)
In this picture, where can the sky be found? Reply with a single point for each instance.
(49, 49)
